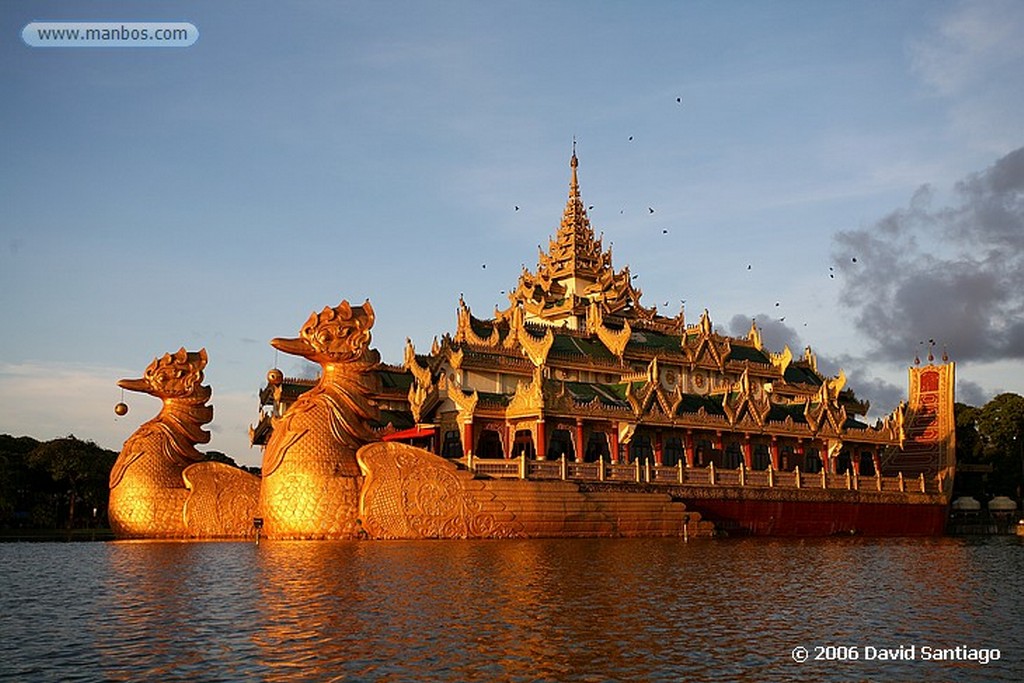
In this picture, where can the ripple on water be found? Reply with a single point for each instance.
(543, 610)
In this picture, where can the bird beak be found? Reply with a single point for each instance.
(134, 385)
(296, 347)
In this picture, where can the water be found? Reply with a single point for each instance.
(538, 610)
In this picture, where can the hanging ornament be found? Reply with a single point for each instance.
(121, 408)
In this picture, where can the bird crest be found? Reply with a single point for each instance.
(334, 335)
(173, 375)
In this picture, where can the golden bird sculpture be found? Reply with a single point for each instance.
(147, 491)
(311, 480)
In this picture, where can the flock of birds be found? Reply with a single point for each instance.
(665, 231)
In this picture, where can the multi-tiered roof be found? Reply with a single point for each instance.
(576, 340)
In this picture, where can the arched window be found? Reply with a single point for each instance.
(787, 458)
(640, 449)
(762, 459)
(812, 461)
(452, 445)
(674, 453)
(843, 463)
(597, 448)
(561, 444)
(733, 456)
(703, 454)
(523, 444)
(489, 445)
(867, 464)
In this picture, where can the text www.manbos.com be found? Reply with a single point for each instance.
(109, 34)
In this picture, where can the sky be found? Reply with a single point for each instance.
(848, 173)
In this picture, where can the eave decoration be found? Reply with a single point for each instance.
(744, 401)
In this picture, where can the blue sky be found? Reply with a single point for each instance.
(301, 153)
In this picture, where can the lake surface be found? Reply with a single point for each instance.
(519, 610)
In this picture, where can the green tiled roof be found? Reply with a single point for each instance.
(779, 413)
(612, 395)
(798, 374)
(692, 403)
(395, 380)
(569, 344)
(656, 340)
(741, 353)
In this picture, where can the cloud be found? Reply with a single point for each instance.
(973, 40)
(952, 274)
(774, 334)
(51, 400)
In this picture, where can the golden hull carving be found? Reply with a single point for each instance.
(308, 500)
(148, 494)
(411, 493)
(311, 489)
(141, 509)
(222, 501)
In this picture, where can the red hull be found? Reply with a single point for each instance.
(821, 518)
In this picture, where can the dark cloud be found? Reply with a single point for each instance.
(883, 395)
(774, 334)
(953, 274)
(971, 393)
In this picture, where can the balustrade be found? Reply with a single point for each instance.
(647, 472)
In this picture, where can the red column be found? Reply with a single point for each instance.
(877, 460)
(748, 453)
(658, 449)
(855, 462)
(467, 438)
(773, 449)
(614, 445)
(690, 450)
(541, 445)
(580, 446)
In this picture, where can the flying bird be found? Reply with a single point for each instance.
(517, 207)
(631, 138)
(664, 231)
(854, 259)
(679, 100)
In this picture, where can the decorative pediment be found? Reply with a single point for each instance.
(615, 341)
(754, 336)
(744, 403)
(465, 403)
(708, 349)
(824, 415)
(467, 334)
(781, 360)
(529, 397)
(422, 400)
(533, 348)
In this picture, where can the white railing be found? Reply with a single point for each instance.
(647, 472)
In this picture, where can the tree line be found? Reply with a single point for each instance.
(990, 448)
(59, 484)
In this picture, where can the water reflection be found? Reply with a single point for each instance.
(556, 610)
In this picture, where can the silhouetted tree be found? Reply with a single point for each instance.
(1001, 434)
(79, 468)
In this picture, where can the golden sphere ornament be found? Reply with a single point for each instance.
(275, 377)
(121, 408)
